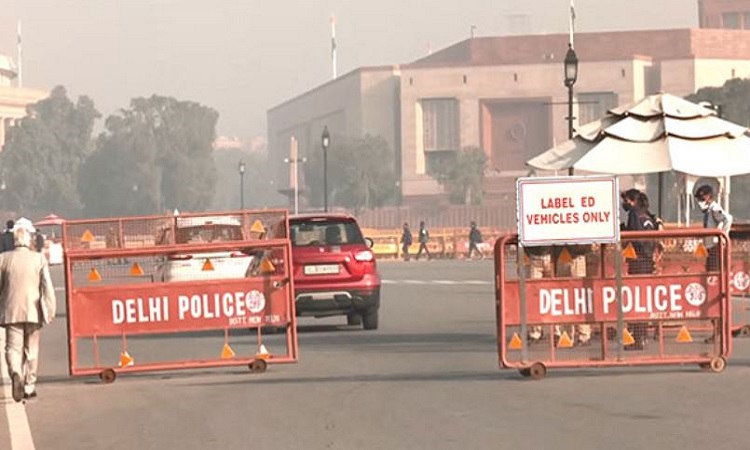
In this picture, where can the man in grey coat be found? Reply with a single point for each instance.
(27, 302)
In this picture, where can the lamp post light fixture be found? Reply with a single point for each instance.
(571, 75)
(325, 141)
(241, 167)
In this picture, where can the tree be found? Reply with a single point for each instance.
(462, 175)
(43, 154)
(733, 102)
(155, 156)
(361, 173)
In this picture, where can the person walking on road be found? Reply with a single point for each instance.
(6, 243)
(424, 236)
(27, 302)
(406, 240)
(475, 238)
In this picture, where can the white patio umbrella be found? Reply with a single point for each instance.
(657, 134)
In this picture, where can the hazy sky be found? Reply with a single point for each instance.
(242, 57)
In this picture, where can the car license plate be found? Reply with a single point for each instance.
(322, 269)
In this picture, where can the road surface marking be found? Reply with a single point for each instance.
(18, 423)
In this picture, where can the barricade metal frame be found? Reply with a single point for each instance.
(275, 288)
(511, 308)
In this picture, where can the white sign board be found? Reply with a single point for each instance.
(567, 210)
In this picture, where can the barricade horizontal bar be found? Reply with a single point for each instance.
(175, 365)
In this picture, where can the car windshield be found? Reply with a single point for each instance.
(325, 232)
(208, 233)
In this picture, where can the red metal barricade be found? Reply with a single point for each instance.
(557, 306)
(739, 279)
(179, 292)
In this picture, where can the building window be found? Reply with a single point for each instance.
(440, 124)
(438, 161)
(593, 106)
(730, 20)
(746, 20)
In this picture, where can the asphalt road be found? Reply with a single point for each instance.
(427, 379)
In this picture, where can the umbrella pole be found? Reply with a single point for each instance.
(659, 193)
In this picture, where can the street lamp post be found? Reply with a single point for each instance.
(326, 140)
(571, 75)
(295, 180)
(241, 167)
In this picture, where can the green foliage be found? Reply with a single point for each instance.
(361, 173)
(462, 176)
(42, 156)
(153, 157)
(734, 101)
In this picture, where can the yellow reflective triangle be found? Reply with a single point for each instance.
(565, 341)
(700, 251)
(87, 236)
(94, 275)
(136, 270)
(515, 342)
(257, 227)
(207, 265)
(564, 256)
(263, 352)
(629, 252)
(227, 352)
(627, 338)
(125, 359)
(684, 335)
(266, 266)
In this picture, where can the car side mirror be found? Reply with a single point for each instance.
(369, 242)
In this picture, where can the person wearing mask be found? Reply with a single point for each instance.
(406, 240)
(714, 216)
(6, 243)
(27, 302)
(424, 236)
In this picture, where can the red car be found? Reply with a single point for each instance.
(334, 269)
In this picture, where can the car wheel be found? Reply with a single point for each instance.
(370, 319)
(353, 319)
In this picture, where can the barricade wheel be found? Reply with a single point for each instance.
(745, 331)
(258, 366)
(524, 372)
(718, 364)
(107, 376)
(537, 371)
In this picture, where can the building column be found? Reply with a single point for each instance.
(2, 132)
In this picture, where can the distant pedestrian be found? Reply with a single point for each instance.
(6, 243)
(714, 216)
(406, 241)
(27, 302)
(475, 237)
(424, 236)
(39, 242)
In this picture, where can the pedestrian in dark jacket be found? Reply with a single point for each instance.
(7, 242)
(406, 240)
(475, 237)
(424, 236)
